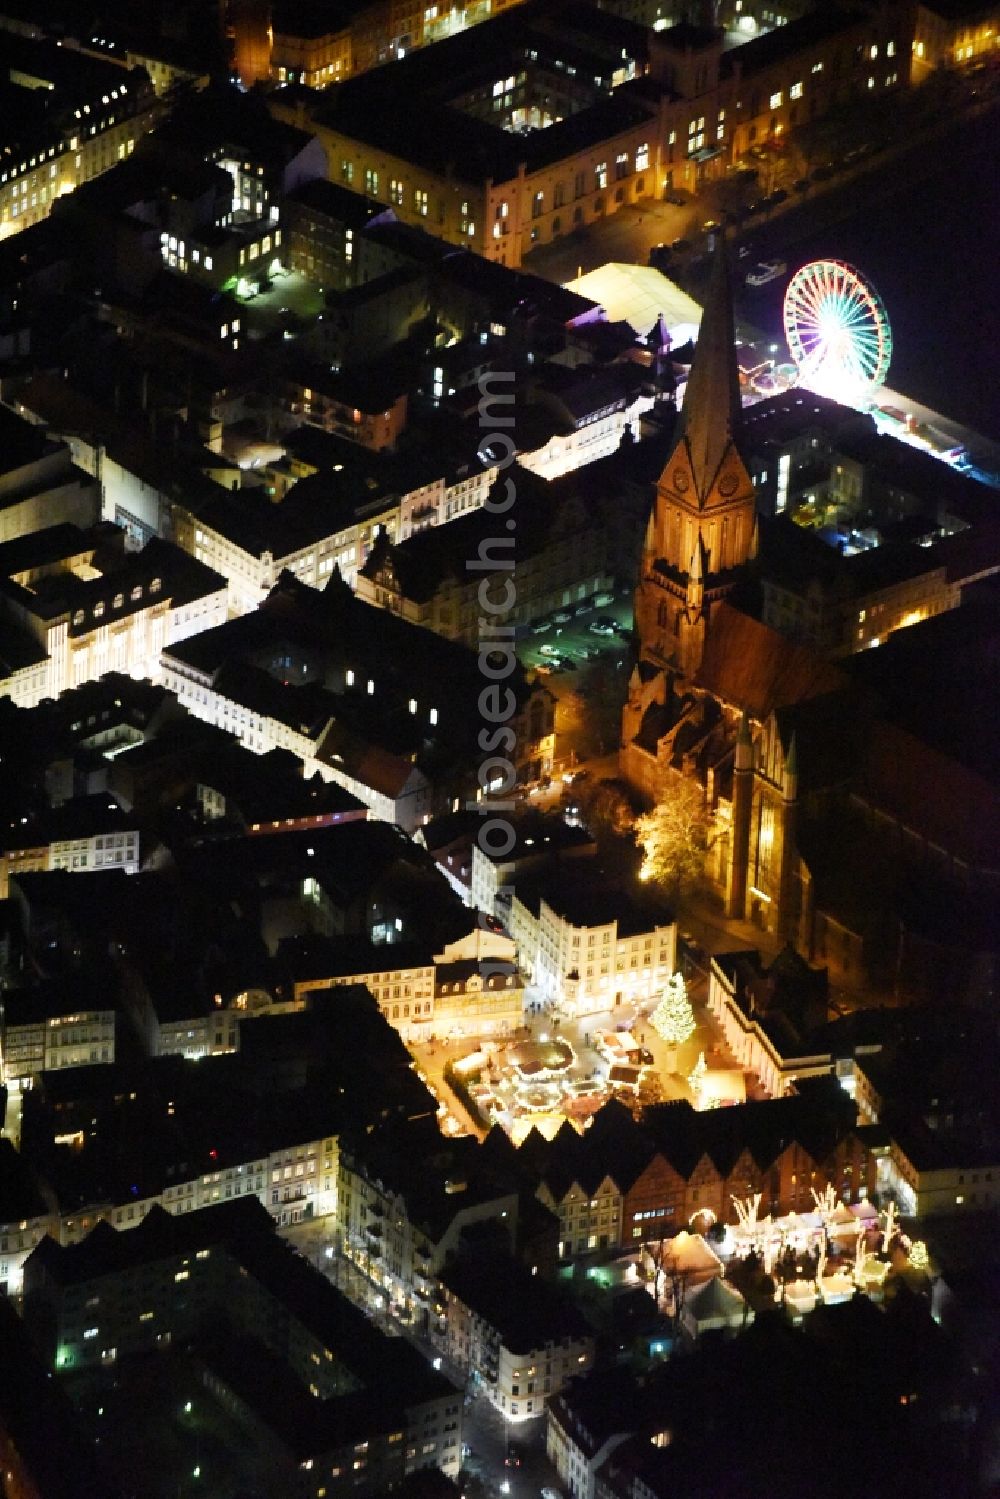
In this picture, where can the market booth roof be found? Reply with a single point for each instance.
(637, 295)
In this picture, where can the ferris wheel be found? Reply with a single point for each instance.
(837, 330)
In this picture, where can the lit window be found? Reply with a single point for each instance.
(776, 100)
(795, 92)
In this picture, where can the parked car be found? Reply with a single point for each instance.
(677, 199)
(583, 608)
(540, 626)
(602, 600)
(778, 197)
(549, 650)
(680, 245)
(758, 207)
(801, 185)
(568, 664)
(598, 629)
(659, 257)
(563, 617)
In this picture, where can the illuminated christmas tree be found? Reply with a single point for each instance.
(696, 1079)
(673, 1018)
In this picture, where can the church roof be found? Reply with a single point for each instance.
(752, 667)
(712, 402)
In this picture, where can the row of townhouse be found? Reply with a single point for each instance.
(97, 112)
(85, 833)
(294, 1183)
(382, 32)
(36, 1041)
(589, 950)
(621, 1185)
(277, 677)
(403, 1204)
(392, 788)
(72, 614)
(515, 1334)
(472, 988)
(251, 540)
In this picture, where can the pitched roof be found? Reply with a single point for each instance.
(752, 667)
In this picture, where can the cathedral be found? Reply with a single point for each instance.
(843, 821)
(702, 528)
(707, 692)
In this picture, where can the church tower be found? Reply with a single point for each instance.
(702, 527)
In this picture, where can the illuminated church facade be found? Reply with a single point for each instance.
(699, 702)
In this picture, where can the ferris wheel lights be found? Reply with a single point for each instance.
(837, 330)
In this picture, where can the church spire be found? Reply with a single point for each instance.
(712, 404)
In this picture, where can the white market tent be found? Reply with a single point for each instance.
(689, 1255)
(716, 1305)
(637, 295)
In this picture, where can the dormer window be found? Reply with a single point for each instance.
(156, 585)
(136, 593)
(119, 601)
(99, 610)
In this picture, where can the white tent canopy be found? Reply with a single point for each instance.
(637, 295)
(689, 1255)
(715, 1305)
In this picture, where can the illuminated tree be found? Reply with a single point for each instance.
(696, 1079)
(673, 1018)
(918, 1255)
(675, 836)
